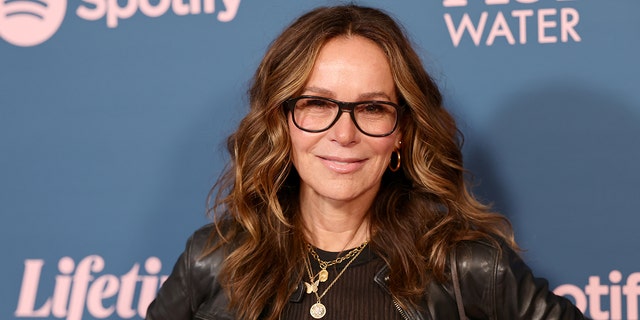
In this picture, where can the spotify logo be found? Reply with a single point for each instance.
(28, 23)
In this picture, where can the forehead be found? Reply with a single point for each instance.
(348, 66)
(355, 49)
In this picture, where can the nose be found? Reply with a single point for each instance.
(344, 131)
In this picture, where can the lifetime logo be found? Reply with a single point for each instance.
(28, 23)
(553, 25)
(83, 286)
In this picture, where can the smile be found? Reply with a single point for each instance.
(342, 165)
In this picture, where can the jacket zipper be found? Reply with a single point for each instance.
(402, 312)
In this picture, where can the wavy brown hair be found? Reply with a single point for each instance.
(419, 213)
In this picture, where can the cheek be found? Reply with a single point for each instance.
(384, 148)
(382, 151)
(385, 158)
(300, 143)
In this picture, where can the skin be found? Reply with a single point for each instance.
(341, 168)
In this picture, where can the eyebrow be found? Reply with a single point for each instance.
(365, 96)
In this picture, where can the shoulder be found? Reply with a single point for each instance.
(484, 256)
(480, 264)
(201, 238)
(485, 266)
(496, 283)
(204, 264)
(193, 280)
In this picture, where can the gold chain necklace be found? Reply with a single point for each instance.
(318, 310)
(323, 275)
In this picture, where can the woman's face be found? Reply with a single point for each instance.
(342, 163)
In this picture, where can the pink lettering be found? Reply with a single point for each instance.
(544, 24)
(522, 19)
(116, 10)
(62, 288)
(616, 294)
(125, 299)
(465, 24)
(80, 286)
(579, 297)
(77, 287)
(632, 291)
(29, 291)
(103, 288)
(595, 291)
(569, 18)
(150, 284)
(500, 28)
(157, 10)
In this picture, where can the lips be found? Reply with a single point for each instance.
(342, 165)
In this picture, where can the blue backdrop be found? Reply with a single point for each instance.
(113, 115)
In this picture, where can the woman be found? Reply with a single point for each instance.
(345, 196)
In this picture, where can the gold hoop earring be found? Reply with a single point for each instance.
(396, 167)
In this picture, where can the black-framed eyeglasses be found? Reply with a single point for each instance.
(317, 114)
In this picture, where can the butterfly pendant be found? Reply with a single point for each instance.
(312, 287)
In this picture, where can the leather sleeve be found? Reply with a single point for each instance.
(190, 283)
(497, 284)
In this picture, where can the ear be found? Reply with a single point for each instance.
(398, 143)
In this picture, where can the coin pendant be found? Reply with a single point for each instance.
(323, 275)
(318, 310)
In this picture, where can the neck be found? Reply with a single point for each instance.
(334, 225)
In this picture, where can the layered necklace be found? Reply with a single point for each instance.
(318, 310)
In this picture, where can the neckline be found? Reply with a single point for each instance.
(365, 256)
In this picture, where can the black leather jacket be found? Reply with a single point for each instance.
(493, 286)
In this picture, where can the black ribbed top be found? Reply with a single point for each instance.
(355, 295)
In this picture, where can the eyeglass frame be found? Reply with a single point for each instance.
(348, 107)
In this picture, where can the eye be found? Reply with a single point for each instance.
(374, 108)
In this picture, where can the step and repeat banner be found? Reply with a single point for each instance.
(114, 113)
